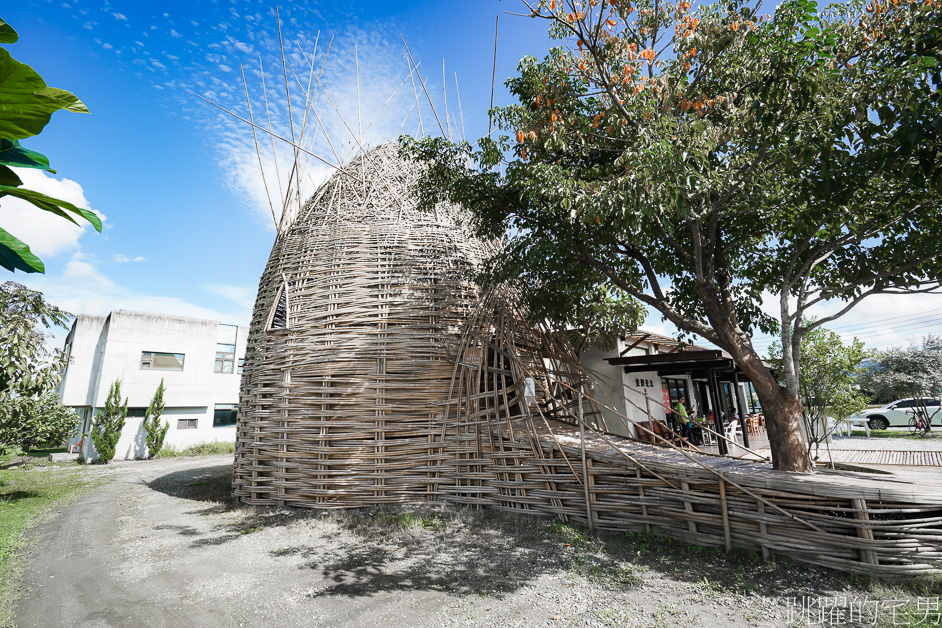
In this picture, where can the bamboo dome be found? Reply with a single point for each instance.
(352, 343)
(377, 373)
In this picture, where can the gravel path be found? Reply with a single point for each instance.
(160, 544)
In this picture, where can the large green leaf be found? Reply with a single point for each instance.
(12, 154)
(7, 34)
(50, 204)
(26, 102)
(8, 177)
(15, 255)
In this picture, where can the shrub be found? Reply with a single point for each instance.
(155, 432)
(109, 423)
(29, 422)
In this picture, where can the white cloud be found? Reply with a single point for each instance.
(879, 321)
(83, 289)
(124, 259)
(224, 67)
(46, 234)
(240, 295)
(120, 17)
(174, 33)
(382, 68)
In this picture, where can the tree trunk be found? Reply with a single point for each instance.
(782, 419)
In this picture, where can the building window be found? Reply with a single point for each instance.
(225, 414)
(225, 348)
(225, 358)
(153, 360)
(137, 412)
(186, 424)
(241, 365)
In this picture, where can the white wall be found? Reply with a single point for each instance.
(106, 349)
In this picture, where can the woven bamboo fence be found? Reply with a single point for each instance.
(376, 373)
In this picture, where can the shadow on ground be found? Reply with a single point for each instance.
(461, 550)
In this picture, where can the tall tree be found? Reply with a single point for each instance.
(26, 105)
(700, 157)
(827, 382)
(30, 372)
(914, 371)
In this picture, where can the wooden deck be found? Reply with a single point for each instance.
(879, 457)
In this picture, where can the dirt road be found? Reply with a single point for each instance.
(160, 544)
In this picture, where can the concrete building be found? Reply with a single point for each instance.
(200, 362)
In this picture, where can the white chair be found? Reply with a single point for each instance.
(835, 427)
(708, 437)
(733, 430)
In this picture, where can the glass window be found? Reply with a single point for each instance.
(225, 358)
(186, 424)
(161, 361)
(136, 412)
(225, 414)
(241, 365)
(226, 334)
(909, 403)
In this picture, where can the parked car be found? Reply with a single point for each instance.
(898, 413)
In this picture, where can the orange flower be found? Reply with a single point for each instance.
(610, 22)
(734, 26)
(532, 135)
(520, 137)
(554, 117)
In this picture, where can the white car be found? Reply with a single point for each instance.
(898, 413)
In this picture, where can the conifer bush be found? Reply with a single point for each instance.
(155, 432)
(109, 423)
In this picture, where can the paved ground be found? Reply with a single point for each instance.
(160, 544)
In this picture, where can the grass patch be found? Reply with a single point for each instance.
(25, 496)
(203, 449)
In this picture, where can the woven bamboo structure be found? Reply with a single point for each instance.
(377, 373)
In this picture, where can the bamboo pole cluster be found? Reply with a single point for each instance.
(378, 373)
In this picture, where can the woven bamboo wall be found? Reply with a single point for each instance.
(343, 406)
(395, 381)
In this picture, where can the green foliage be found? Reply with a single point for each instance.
(28, 422)
(108, 424)
(203, 449)
(700, 158)
(827, 381)
(599, 317)
(26, 105)
(27, 367)
(155, 432)
(30, 412)
(901, 372)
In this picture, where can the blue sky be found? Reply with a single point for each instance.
(187, 224)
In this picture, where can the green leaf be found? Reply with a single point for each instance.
(12, 154)
(7, 34)
(8, 177)
(15, 255)
(50, 204)
(26, 102)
